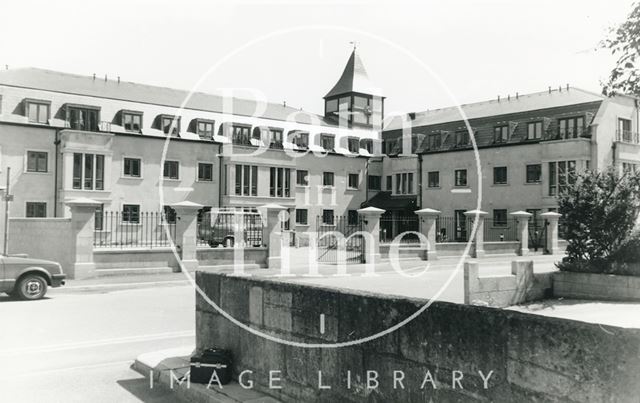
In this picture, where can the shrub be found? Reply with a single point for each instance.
(599, 212)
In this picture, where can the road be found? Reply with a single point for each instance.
(77, 344)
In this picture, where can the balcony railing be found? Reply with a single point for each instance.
(241, 139)
(627, 136)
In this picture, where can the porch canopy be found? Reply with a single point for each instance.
(387, 202)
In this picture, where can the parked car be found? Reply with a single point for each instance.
(224, 229)
(28, 279)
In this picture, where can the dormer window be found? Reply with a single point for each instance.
(240, 134)
(435, 141)
(501, 134)
(37, 111)
(367, 144)
(170, 125)
(132, 121)
(327, 141)
(275, 136)
(462, 138)
(82, 117)
(204, 128)
(301, 139)
(353, 144)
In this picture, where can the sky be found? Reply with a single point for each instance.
(422, 54)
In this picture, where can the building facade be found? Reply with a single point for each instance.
(65, 136)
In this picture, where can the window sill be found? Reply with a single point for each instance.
(533, 183)
(303, 186)
(302, 225)
(500, 184)
(352, 189)
(434, 187)
(171, 180)
(37, 173)
(131, 177)
(326, 187)
(204, 181)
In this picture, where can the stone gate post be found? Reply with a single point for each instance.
(272, 237)
(82, 231)
(523, 231)
(552, 232)
(477, 249)
(187, 233)
(371, 218)
(428, 219)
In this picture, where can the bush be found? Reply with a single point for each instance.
(600, 211)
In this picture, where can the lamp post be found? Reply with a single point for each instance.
(7, 197)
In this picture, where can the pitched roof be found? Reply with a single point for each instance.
(522, 103)
(55, 81)
(354, 78)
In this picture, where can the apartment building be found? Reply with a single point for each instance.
(66, 136)
(529, 148)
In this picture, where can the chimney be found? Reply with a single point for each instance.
(94, 76)
(549, 89)
(509, 97)
(105, 78)
(567, 86)
(284, 104)
(517, 95)
(118, 79)
(498, 98)
(560, 88)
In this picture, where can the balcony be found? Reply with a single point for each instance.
(241, 139)
(627, 136)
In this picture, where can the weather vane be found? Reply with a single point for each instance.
(354, 43)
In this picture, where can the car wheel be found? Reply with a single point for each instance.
(31, 287)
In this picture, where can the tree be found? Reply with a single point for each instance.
(600, 211)
(624, 42)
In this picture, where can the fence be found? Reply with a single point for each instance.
(498, 230)
(114, 229)
(453, 229)
(393, 225)
(227, 227)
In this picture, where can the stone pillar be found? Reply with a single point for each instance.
(83, 212)
(187, 233)
(428, 219)
(371, 218)
(477, 248)
(273, 234)
(551, 248)
(523, 231)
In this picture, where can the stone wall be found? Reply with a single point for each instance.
(521, 286)
(35, 237)
(596, 286)
(225, 256)
(127, 258)
(533, 358)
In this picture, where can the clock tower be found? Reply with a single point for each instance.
(354, 101)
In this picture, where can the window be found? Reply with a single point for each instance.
(98, 219)
(433, 179)
(246, 180)
(561, 174)
(327, 217)
(132, 167)
(361, 110)
(132, 121)
(353, 181)
(327, 179)
(276, 138)
(170, 125)
(501, 134)
(460, 177)
(83, 118)
(500, 218)
(624, 130)
(500, 175)
(169, 214)
(171, 170)
(331, 106)
(205, 172)
(327, 142)
(280, 182)
(302, 177)
(534, 173)
(37, 161)
(302, 140)
(462, 138)
(389, 183)
(353, 144)
(404, 183)
(570, 128)
(301, 216)
(534, 130)
(240, 135)
(352, 217)
(628, 167)
(88, 171)
(374, 182)
(367, 144)
(131, 213)
(204, 129)
(37, 111)
(435, 141)
(36, 209)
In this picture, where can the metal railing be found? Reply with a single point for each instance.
(230, 229)
(393, 225)
(627, 136)
(452, 229)
(115, 229)
(500, 230)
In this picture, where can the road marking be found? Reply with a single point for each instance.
(97, 343)
(113, 285)
(321, 323)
